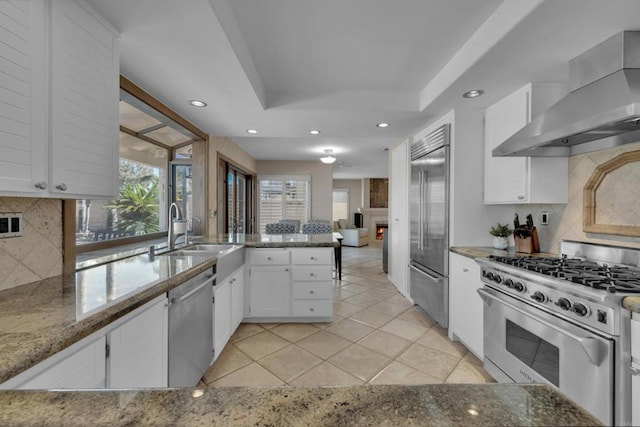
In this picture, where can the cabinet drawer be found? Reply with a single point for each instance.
(312, 256)
(312, 308)
(269, 257)
(321, 290)
(313, 273)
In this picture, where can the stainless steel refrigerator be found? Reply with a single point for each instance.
(429, 202)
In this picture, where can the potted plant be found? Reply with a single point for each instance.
(500, 234)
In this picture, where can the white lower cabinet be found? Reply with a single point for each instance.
(635, 365)
(270, 288)
(290, 283)
(221, 316)
(237, 298)
(465, 305)
(81, 366)
(138, 348)
(131, 352)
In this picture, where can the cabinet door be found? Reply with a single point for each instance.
(138, 349)
(465, 305)
(270, 289)
(237, 299)
(505, 178)
(221, 316)
(83, 368)
(399, 225)
(23, 106)
(84, 102)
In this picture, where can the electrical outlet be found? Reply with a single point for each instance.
(10, 224)
(545, 218)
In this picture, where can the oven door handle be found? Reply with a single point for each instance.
(590, 345)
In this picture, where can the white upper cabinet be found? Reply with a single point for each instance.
(84, 102)
(59, 93)
(23, 92)
(509, 180)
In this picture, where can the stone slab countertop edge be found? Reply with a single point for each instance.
(39, 319)
(420, 405)
(630, 303)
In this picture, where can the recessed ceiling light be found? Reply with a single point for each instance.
(383, 125)
(252, 131)
(314, 132)
(473, 93)
(197, 103)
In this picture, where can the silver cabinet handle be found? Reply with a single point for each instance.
(466, 270)
(312, 258)
(286, 269)
(62, 186)
(520, 197)
(268, 258)
(311, 309)
(310, 292)
(41, 185)
(311, 274)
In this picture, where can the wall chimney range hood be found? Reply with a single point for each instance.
(601, 111)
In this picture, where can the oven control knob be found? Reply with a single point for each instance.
(497, 278)
(539, 297)
(489, 275)
(508, 283)
(518, 286)
(563, 303)
(580, 309)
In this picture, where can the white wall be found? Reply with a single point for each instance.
(321, 182)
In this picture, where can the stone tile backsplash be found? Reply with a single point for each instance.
(37, 254)
(565, 221)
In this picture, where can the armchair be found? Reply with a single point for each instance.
(352, 236)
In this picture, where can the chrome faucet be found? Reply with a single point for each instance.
(177, 226)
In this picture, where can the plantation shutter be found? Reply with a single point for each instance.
(340, 203)
(283, 197)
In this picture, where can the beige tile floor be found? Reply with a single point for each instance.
(376, 337)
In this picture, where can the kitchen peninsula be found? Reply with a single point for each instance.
(42, 318)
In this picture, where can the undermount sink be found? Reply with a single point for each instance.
(203, 249)
(229, 257)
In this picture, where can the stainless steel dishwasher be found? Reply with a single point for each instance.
(190, 329)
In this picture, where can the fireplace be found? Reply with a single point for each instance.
(380, 229)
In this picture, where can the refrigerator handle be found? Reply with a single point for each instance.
(420, 210)
(425, 199)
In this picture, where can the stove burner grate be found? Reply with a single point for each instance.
(579, 271)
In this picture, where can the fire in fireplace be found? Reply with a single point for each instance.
(379, 230)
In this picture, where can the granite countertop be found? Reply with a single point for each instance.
(42, 318)
(485, 251)
(630, 303)
(297, 240)
(423, 405)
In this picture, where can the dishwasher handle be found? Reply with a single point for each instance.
(192, 292)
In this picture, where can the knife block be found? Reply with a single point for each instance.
(529, 244)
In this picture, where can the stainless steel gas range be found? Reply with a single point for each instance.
(560, 321)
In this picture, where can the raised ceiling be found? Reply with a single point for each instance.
(285, 67)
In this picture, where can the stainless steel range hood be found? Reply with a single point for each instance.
(601, 111)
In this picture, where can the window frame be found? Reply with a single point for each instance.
(283, 179)
(130, 91)
(341, 190)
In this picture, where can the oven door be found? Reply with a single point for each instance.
(527, 345)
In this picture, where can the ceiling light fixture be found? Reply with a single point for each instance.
(473, 93)
(252, 131)
(314, 132)
(383, 125)
(197, 103)
(328, 158)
